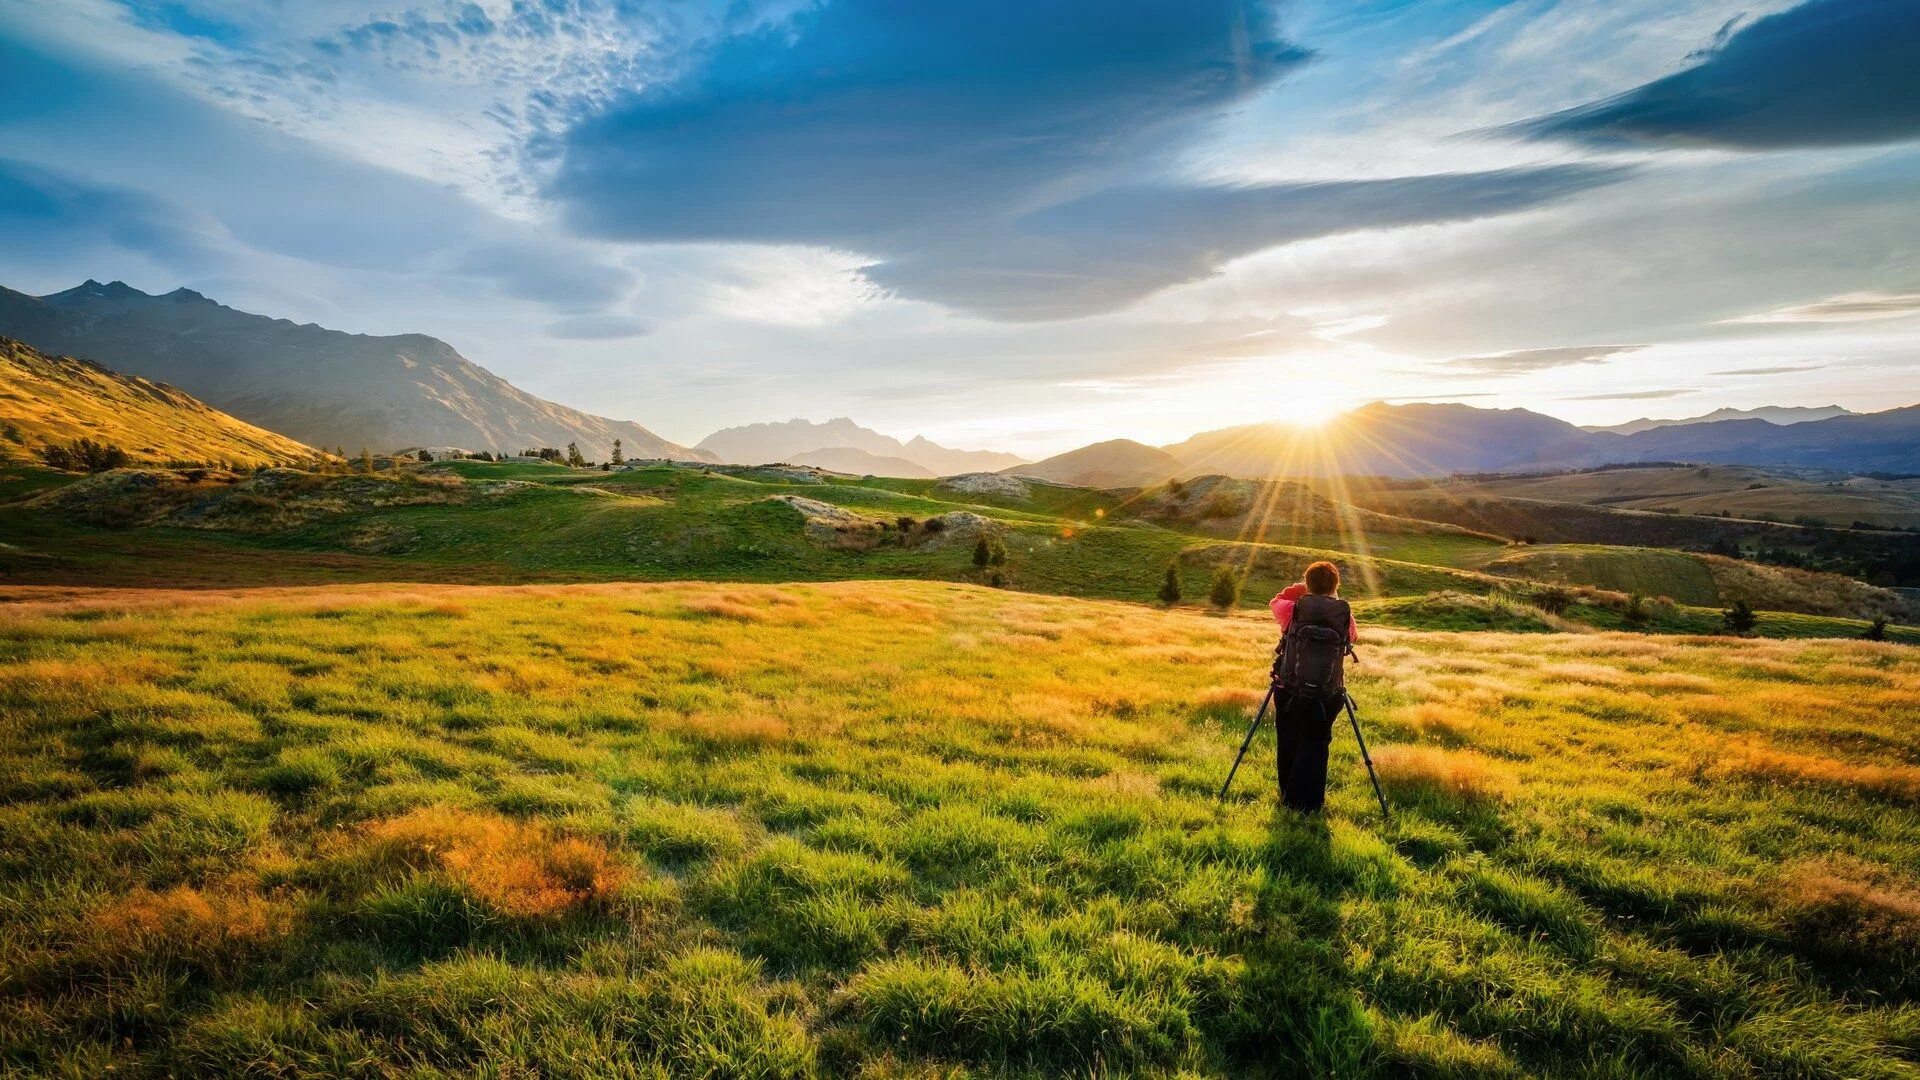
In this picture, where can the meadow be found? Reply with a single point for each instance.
(485, 523)
(929, 829)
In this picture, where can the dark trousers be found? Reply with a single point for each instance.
(1304, 729)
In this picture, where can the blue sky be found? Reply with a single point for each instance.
(1019, 225)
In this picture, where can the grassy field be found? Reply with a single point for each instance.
(899, 829)
(476, 522)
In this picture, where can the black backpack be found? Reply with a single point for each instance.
(1313, 651)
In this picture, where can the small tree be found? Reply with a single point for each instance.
(365, 464)
(997, 552)
(1170, 584)
(426, 457)
(982, 551)
(1636, 613)
(1739, 617)
(1225, 590)
(618, 458)
(574, 458)
(1877, 629)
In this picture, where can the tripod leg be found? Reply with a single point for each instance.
(1364, 756)
(1246, 742)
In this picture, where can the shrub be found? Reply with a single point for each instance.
(1553, 599)
(1636, 613)
(982, 552)
(996, 552)
(83, 455)
(1739, 617)
(1225, 590)
(1170, 584)
(1877, 629)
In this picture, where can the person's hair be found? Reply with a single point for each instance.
(1323, 578)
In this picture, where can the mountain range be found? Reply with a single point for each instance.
(1439, 439)
(1773, 414)
(322, 387)
(844, 446)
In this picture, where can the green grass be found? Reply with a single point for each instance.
(1683, 577)
(924, 829)
(671, 523)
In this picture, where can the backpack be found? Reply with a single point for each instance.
(1313, 652)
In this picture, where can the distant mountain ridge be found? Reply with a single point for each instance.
(322, 387)
(801, 441)
(1425, 439)
(1772, 414)
(47, 400)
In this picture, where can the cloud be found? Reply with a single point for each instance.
(1528, 361)
(1783, 369)
(599, 327)
(1103, 251)
(46, 209)
(1010, 158)
(1845, 308)
(1825, 73)
(1634, 395)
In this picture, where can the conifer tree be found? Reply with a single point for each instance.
(1225, 591)
(618, 458)
(1170, 585)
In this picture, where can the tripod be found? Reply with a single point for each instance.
(1273, 690)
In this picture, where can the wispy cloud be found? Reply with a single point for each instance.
(1528, 361)
(1634, 395)
(1846, 308)
(1783, 369)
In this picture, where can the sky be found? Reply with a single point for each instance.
(1021, 225)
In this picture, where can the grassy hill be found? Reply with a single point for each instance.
(1731, 490)
(56, 399)
(483, 522)
(926, 829)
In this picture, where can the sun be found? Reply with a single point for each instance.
(1309, 408)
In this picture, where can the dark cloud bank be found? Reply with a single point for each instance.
(1826, 73)
(1015, 159)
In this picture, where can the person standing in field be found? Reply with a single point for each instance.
(1317, 633)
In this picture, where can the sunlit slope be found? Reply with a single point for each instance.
(56, 399)
(905, 829)
(1735, 490)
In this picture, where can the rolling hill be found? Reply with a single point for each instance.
(1734, 490)
(1117, 463)
(320, 386)
(56, 399)
(800, 440)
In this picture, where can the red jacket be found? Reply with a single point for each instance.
(1282, 606)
